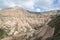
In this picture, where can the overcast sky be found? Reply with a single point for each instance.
(32, 5)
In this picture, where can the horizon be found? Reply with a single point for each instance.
(32, 5)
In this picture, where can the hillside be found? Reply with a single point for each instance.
(20, 24)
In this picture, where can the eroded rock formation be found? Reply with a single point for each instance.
(22, 25)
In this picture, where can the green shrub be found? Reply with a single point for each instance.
(2, 32)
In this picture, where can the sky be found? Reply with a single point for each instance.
(32, 5)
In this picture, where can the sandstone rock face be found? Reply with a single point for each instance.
(22, 25)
